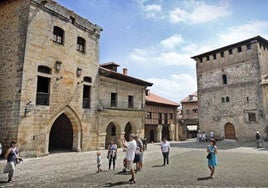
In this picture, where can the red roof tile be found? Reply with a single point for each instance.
(191, 98)
(157, 99)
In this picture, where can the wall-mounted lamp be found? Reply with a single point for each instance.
(78, 72)
(58, 66)
(28, 108)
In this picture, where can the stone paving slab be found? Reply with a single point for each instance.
(240, 165)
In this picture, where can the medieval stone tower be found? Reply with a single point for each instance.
(49, 63)
(232, 89)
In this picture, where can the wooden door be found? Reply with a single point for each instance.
(229, 131)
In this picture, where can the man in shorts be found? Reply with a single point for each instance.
(130, 154)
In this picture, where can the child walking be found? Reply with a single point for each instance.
(99, 162)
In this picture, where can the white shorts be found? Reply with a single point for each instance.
(130, 165)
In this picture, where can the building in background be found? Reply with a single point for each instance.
(53, 93)
(189, 117)
(160, 119)
(232, 89)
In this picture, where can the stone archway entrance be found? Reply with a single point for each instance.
(165, 132)
(229, 131)
(61, 135)
(110, 134)
(151, 136)
(128, 130)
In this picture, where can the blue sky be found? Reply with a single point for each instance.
(155, 39)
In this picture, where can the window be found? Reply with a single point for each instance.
(44, 69)
(222, 54)
(230, 51)
(207, 58)
(223, 100)
(86, 96)
(252, 117)
(87, 79)
(58, 35)
(159, 118)
(113, 99)
(239, 49)
(195, 110)
(224, 79)
(166, 118)
(227, 99)
(214, 56)
(130, 101)
(247, 99)
(149, 115)
(170, 116)
(81, 44)
(249, 46)
(42, 94)
(201, 60)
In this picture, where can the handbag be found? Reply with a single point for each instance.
(209, 156)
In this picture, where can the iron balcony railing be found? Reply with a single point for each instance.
(42, 98)
(120, 105)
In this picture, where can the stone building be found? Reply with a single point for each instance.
(232, 92)
(121, 107)
(160, 119)
(189, 117)
(52, 87)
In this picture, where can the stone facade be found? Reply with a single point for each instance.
(160, 119)
(51, 88)
(231, 98)
(189, 117)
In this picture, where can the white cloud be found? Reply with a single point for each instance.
(243, 32)
(172, 41)
(199, 13)
(174, 88)
(151, 10)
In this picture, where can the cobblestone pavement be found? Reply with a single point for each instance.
(240, 165)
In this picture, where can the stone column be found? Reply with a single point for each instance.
(118, 139)
(159, 133)
(77, 141)
(171, 132)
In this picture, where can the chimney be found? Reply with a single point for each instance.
(125, 71)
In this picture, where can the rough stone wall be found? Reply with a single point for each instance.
(243, 90)
(13, 28)
(65, 88)
(120, 115)
(190, 107)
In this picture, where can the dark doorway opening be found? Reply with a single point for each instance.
(61, 135)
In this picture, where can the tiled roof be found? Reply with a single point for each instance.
(191, 98)
(160, 100)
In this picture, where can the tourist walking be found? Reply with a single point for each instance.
(138, 154)
(212, 157)
(112, 154)
(130, 155)
(12, 158)
(165, 148)
(258, 139)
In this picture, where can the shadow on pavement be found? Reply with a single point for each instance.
(204, 178)
(115, 184)
(124, 172)
(157, 166)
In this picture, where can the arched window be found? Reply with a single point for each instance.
(222, 99)
(224, 79)
(81, 44)
(227, 99)
(87, 79)
(58, 35)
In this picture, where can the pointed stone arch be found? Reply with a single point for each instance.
(70, 117)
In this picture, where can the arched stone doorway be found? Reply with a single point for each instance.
(61, 135)
(110, 134)
(165, 132)
(128, 130)
(151, 136)
(229, 131)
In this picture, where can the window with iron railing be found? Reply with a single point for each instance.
(113, 99)
(130, 101)
(42, 94)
